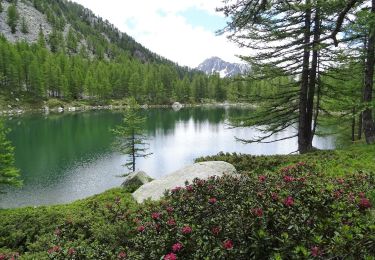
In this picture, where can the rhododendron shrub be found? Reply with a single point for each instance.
(293, 213)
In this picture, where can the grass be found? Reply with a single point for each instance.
(332, 162)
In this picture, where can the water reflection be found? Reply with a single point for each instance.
(69, 156)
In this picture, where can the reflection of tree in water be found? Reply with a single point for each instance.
(47, 144)
(164, 120)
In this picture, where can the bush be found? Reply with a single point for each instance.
(93, 227)
(295, 214)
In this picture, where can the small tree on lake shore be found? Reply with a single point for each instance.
(9, 174)
(130, 135)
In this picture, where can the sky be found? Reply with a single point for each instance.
(183, 31)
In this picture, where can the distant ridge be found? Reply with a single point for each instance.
(224, 68)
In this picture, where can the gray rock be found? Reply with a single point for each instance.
(34, 20)
(203, 170)
(176, 106)
(136, 179)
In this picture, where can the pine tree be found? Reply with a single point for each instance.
(24, 26)
(131, 138)
(13, 17)
(9, 174)
(41, 37)
(71, 42)
(289, 39)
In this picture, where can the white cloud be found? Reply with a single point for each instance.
(159, 26)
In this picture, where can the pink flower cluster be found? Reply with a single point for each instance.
(288, 178)
(186, 230)
(177, 247)
(257, 212)
(155, 215)
(170, 256)
(365, 203)
(262, 178)
(121, 255)
(216, 230)
(228, 244)
(54, 249)
(71, 251)
(289, 201)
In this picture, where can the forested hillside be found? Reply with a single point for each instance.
(59, 49)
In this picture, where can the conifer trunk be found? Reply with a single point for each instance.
(304, 142)
(368, 121)
(313, 77)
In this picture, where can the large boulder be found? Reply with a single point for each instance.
(136, 179)
(203, 170)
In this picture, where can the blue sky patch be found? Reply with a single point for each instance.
(200, 18)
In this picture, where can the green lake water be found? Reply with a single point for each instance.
(64, 157)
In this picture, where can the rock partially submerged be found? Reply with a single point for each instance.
(136, 179)
(177, 106)
(203, 170)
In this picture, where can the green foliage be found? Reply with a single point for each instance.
(130, 136)
(331, 162)
(294, 213)
(13, 17)
(1, 7)
(24, 26)
(94, 224)
(9, 174)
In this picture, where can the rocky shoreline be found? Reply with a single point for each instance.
(70, 109)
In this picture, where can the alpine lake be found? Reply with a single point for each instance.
(68, 156)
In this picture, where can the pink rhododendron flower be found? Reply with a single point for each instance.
(228, 244)
(171, 222)
(216, 230)
(315, 251)
(289, 201)
(54, 249)
(274, 196)
(170, 256)
(155, 215)
(288, 178)
(121, 255)
(176, 189)
(257, 212)
(140, 228)
(57, 232)
(71, 251)
(212, 200)
(187, 230)
(170, 209)
(177, 247)
(362, 194)
(262, 178)
(365, 203)
(189, 188)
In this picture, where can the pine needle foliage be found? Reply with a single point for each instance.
(130, 135)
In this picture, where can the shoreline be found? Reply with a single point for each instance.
(70, 108)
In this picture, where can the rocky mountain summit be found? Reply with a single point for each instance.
(225, 69)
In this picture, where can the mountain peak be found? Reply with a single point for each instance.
(225, 69)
